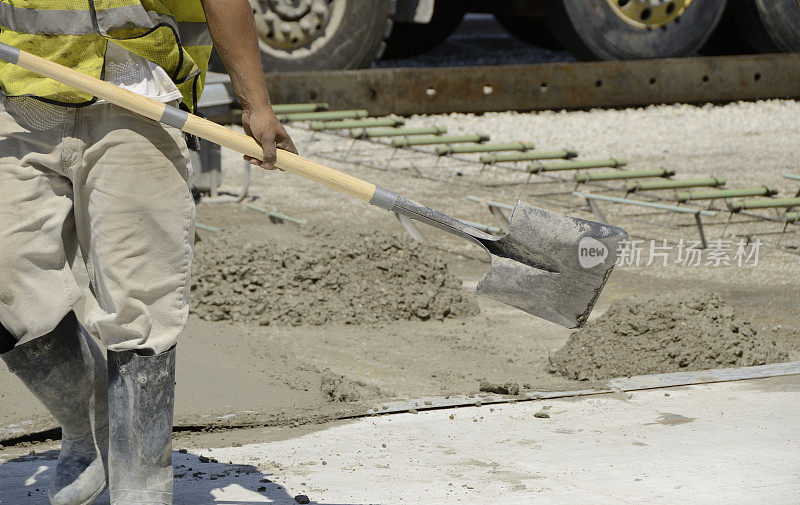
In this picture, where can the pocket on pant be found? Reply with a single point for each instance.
(34, 115)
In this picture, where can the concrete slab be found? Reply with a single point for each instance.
(731, 443)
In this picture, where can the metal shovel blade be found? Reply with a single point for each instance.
(551, 265)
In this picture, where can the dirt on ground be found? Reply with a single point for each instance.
(224, 378)
(669, 332)
(325, 276)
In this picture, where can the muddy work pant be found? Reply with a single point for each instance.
(115, 185)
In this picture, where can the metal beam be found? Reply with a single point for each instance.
(410, 227)
(483, 227)
(496, 208)
(277, 217)
(545, 86)
(490, 203)
(639, 203)
(592, 199)
(635, 383)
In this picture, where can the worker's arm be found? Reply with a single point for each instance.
(233, 31)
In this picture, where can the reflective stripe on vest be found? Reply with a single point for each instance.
(74, 22)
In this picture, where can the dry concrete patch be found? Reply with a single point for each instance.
(324, 276)
(672, 332)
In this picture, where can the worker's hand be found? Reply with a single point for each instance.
(270, 133)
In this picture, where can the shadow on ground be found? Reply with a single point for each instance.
(24, 481)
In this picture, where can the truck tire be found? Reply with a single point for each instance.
(321, 34)
(631, 29)
(770, 26)
(413, 39)
(531, 29)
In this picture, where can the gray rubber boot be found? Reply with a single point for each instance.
(66, 370)
(141, 397)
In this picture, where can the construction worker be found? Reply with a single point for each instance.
(75, 172)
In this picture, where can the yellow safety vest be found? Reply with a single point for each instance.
(170, 33)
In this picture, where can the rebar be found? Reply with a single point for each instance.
(484, 148)
(351, 124)
(207, 227)
(490, 203)
(397, 132)
(537, 167)
(276, 216)
(294, 108)
(427, 141)
(674, 184)
(764, 203)
(527, 156)
(623, 174)
(330, 115)
(483, 227)
(726, 193)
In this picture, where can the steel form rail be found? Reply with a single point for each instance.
(481, 399)
(407, 91)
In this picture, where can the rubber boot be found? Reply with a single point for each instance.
(141, 397)
(66, 370)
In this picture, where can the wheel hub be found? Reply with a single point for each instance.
(290, 10)
(285, 26)
(649, 14)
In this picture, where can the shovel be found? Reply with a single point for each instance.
(549, 265)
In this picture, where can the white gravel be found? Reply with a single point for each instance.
(752, 143)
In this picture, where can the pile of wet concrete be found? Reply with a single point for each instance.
(324, 276)
(671, 332)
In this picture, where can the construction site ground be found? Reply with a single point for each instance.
(266, 397)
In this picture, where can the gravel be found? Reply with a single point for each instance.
(753, 143)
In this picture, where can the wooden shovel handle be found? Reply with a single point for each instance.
(195, 125)
(311, 170)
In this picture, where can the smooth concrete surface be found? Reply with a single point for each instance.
(723, 443)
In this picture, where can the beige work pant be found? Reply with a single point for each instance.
(114, 184)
